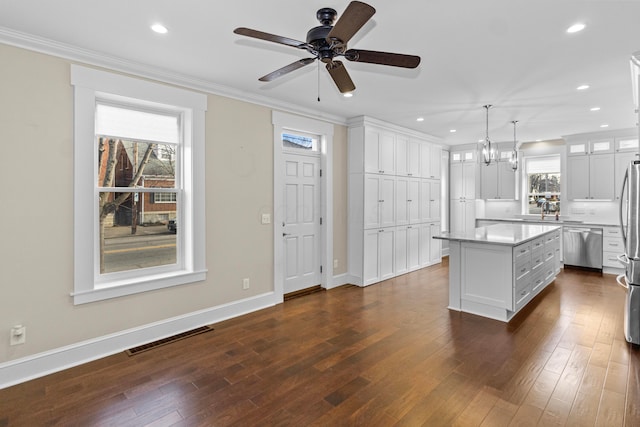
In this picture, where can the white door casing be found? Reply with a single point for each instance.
(285, 122)
(301, 224)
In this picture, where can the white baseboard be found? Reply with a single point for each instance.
(340, 280)
(24, 369)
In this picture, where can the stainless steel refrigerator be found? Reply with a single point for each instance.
(630, 224)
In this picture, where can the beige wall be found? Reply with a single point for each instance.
(36, 240)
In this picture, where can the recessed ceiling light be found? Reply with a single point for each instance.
(159, 28)
(582, 87)
(604, 126)
(420, 119)
(576, 28)
(348, 94)
(595, 109)
(452, 130)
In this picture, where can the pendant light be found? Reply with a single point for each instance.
(487, 152)
(514, 153)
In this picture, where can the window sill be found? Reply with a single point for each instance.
(149, 283)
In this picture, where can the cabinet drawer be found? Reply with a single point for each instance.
(522, 270)
(610, 259)
(537, 282)
(537, 260)
(549, 254)
(611, 232)
(521, 297)
(521, 252)
(537, 243)
(612, 244)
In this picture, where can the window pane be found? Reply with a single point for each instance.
(120, 162)
(299, 142)
(544, 193)
(136, 232)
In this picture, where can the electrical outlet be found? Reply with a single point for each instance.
(266, 218)
(335, 263)
(18, 335)
(245, 283)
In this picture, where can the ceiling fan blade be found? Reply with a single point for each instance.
(352, 19)
(271, 38)
(340, 76)
(286, 69)
(382, 58)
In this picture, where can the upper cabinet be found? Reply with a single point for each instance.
(430, 157)
(498, 181)
(407, 156)
(464, 156)
(379, 152)
(595, 165)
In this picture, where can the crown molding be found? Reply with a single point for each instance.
(89, 57)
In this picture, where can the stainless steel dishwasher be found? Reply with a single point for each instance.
(582, 246)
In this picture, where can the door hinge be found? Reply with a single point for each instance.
(320, 173)
(320, 269)
(320, 220)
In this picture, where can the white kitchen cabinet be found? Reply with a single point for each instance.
(463, 215)
(590, 177)
(384, 196)
(379, 201)
(379, 152)
(591, 146)
(430, 157)
(407, 156)
(407, 247)
(612, 246)
(429, 200)
(378, 255)
(463, 180)
(407, 196)
(435, 250)
(498, 181)
(627, 143)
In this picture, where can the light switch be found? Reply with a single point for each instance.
(266, 218)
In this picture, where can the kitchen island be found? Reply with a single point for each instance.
(495, 271)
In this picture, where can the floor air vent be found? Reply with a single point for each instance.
(150, 346)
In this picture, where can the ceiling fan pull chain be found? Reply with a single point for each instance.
(318, 81)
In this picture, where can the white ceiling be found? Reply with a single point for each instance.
(514, 54)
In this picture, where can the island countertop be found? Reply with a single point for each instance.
(500, 234)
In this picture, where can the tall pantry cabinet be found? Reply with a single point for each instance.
(394, 201)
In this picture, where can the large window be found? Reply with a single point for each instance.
(543, 183)
(139, 168)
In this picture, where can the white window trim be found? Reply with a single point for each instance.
(88, 84)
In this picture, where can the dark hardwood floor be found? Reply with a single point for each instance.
(389, 354)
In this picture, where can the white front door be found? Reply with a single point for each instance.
(301, 224)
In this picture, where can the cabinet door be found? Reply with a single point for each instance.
(601, 146)
(413, 196)
(387, 154)
(621, 163)
(578, 177)
(506, 181)
(469, 215)
(434, 200)
(386, 253)
(435, 251)
(372, 201)
(402, 156)
(434, 161)
(469, 180)
(413, 247)
(456, 215)
(401, 255)
(578, 148)
(425, 159)
(403, 201)
(379, 152)
(489, 181)
(370, 272)
(413, 160)
(387, 204)
(456, 189)
(601, 176)
(425, 244)
(425, 198)
(371, 151)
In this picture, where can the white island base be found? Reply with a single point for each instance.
(496, 270)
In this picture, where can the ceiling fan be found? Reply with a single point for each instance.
(328, 41)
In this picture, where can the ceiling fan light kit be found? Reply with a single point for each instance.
(328, 41)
